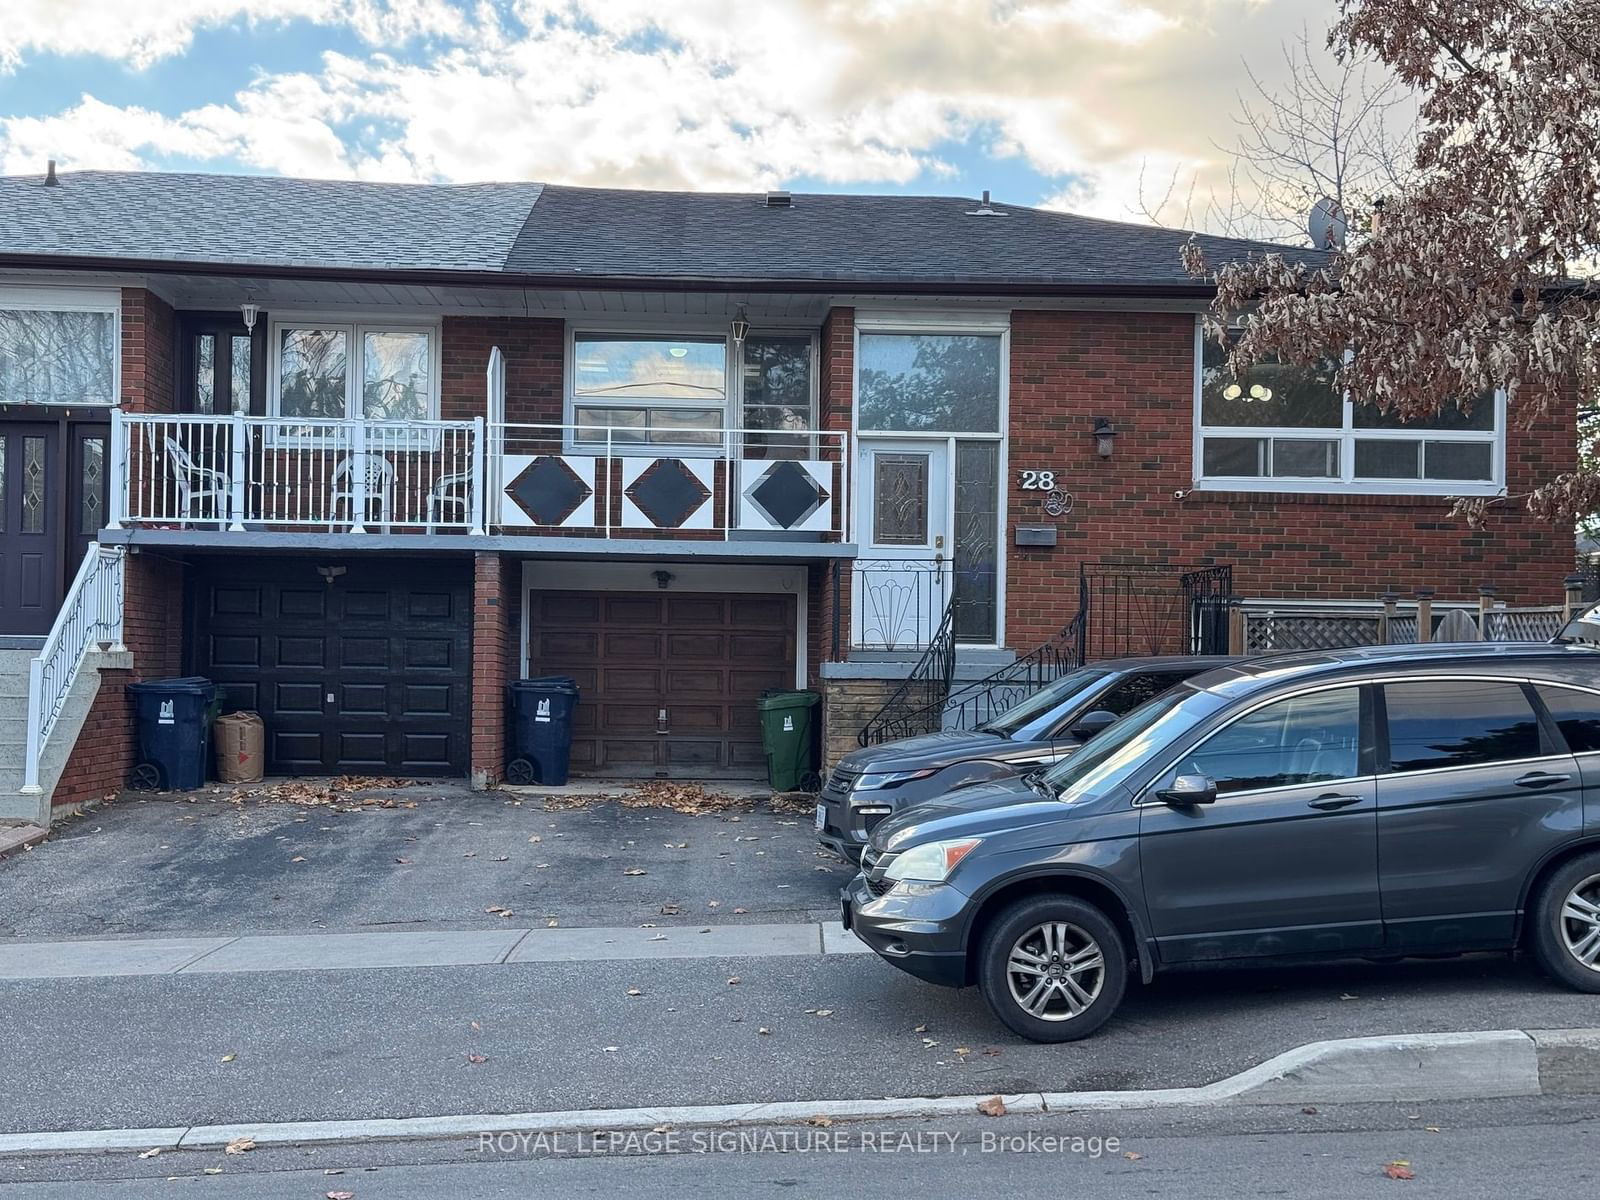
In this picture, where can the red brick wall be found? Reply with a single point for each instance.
(1137, 369)
(534, 350)
(153, 632)
(149, 347)
(494, 653)
(836, 401)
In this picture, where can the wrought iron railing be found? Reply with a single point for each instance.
(91, 615)
(917, 703)
(1152, 608)
(972, 704)
(897, 603)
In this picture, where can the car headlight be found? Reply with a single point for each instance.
(873, 781)
(931, 862)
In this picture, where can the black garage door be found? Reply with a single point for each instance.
(363, 667)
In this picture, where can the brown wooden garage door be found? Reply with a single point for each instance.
(668, 681)
(365, 672)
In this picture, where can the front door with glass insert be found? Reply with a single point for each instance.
(901, 581)
(30, 530)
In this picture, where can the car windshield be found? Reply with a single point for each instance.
(1106, 759)
(1078, 683)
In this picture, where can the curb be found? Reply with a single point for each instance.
(21, 837)
(1410, 1067)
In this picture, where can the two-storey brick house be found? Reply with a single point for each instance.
(364, 452)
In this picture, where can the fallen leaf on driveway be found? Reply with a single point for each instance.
(740, 911)
(635, 992)
(713, 903)
(669, 910)
(404, 862)
(211, 1170)
(298, 858)
(341, 1196)
(536, 838)
(477, 1058)
(1308, 1112)
(151, 1153)
(824, 1012)
(732, 979)
(823, 1122)
(1399, 1169)
(229, 1057)
(1132, 1155)
(660, 937)
(992, 1107)
(609, 1049)
(240, 1145)
(763, 1029)
(634, 871)
(920, 1029)
(503, 858)
(550, 924)
(470, 854)
(477, 1028)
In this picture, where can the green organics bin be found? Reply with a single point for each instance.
(789, 736)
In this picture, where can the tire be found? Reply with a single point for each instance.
(1061, 1015)
(1566, 924)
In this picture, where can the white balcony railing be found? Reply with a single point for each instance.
(238, 473)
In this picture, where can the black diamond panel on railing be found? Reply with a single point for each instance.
(549, 491)
(786, 494)
(668, 493)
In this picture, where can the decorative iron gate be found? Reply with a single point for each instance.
(1151, 608)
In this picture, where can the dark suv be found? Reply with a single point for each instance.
(1361, 803)
(871, 783)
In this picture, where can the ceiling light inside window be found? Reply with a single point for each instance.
(679, 351)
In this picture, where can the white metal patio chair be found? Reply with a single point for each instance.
(203, 493)
(452, 490)
(380, 489)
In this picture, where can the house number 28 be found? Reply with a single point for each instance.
(1038, 481)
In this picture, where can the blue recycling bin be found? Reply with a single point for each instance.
(173, 719)
(541, 729)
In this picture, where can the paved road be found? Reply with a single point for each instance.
(1530, 1149)
(151, 1051)
(151, 866)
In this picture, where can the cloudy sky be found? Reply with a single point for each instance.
(1055, 102)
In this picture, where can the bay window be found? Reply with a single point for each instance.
(1287, 428)
(376, 372)
(663, 390)
(58, 346)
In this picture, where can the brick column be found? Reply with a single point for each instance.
(494, 646)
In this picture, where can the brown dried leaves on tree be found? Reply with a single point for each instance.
(1482, 272)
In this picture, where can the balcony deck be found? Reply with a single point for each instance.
(191, 480)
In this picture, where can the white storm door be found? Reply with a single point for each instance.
(901, 581)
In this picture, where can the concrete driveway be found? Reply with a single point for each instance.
(439, 857)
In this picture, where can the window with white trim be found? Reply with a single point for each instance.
(58, 346)
(379, 372)
(665, 390)
(1286, 428)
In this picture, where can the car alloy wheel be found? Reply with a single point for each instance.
(1580, 923)
(1055, 971)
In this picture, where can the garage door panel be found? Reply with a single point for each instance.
(689, 646)
(631, 681)
(237, 696)
(632, 610)
(364, 652)
(426, 699)
(645, 647)
(312, 602)
(703, 658)
(235, 650)
(760, 612)
(298, 698)
(236, 602)
(389, 641)
(428, 654)
(299, 652)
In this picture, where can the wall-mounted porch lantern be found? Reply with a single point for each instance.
(739, 327)
(1104, 433)
(249, 312)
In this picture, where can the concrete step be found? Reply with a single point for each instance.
(15, 837)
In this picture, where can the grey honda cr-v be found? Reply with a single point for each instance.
(1369, 803)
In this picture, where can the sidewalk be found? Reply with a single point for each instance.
(102, 958)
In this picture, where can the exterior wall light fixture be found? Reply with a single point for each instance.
(1105, 434)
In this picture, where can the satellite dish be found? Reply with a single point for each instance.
(1327, 225)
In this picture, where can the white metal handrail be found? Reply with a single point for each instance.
(90, 616)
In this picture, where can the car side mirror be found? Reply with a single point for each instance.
(1190, 789)
(1092, 723)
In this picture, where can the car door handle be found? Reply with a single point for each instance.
(1541, 779)
(1334, 800)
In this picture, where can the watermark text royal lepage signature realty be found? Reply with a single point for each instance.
(791, 1141)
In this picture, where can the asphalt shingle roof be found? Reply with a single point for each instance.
(260, 220)
(848, 238)
(578, 234)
